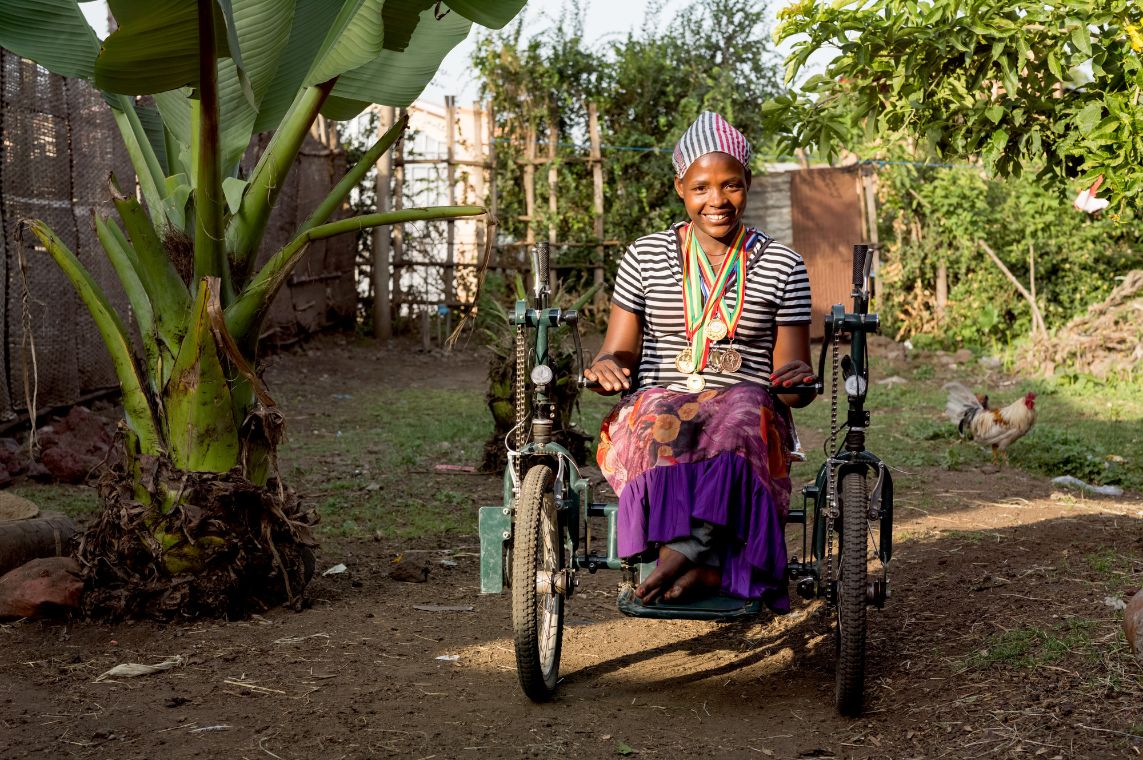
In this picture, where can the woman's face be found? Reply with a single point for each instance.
(714, 193)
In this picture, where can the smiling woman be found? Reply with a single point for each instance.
(708, 319)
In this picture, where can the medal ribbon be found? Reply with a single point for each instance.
(697, 273)
(735, 261)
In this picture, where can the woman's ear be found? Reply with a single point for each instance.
(748, 177)
(679, 185)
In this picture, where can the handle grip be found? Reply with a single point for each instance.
(541, 259)
(860, 254)
(801, 390)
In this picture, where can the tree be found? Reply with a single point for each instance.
(194, 522)
(648, 86)
(1052, 86)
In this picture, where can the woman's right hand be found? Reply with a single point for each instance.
(611, 376)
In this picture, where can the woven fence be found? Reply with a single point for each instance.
(58, 146)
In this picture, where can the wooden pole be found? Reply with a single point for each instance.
(478, 183)
(450, 178)
(398, 230)
(493, 197)
(942, 287)
(382, 310)
(597, 198)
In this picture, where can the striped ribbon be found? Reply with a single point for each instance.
(699, 280)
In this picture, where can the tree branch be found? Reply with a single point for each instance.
(1038, 328)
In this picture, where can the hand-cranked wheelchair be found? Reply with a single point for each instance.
(541, 537)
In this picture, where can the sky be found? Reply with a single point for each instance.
(603, 19)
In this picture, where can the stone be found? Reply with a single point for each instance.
(46, 587)
(410, 573)
(1133, 625)
(67, 465)
(962, 355)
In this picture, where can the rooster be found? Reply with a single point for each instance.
(997, 428)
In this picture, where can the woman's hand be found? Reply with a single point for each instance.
(611, 376)
(791, 373)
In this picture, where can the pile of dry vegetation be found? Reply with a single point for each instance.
(1105, 342)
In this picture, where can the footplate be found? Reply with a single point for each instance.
(711, 608)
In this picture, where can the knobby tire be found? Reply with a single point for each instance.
(537, 618)
(850, 694)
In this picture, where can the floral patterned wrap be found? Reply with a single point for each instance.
(720, 456)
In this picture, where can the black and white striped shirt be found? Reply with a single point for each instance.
(650, 282)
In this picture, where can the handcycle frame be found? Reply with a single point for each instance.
(544, 488)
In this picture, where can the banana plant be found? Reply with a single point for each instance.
(201, 429)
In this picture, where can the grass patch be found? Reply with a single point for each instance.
(1030, 647)
(370, 467)
(1116, 570)
(73, 501)
(1092, 432)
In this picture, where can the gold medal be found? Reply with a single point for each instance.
(685, 361)
(696, 383)
(730, 361)
(716, 329)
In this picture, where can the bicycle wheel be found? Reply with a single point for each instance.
(850, 694)
(537, 604)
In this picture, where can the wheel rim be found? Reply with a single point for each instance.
(548, 600)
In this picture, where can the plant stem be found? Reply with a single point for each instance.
(325, 210)
(269, 176)
(142, 154)
(209, 256)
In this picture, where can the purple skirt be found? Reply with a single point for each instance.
(720, 456)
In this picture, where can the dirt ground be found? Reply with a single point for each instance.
(999, 641)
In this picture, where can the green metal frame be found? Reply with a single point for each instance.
(577, 508)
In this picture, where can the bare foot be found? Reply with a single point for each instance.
(699, 580)
(671, 566)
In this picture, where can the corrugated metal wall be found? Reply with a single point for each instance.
(818, 213)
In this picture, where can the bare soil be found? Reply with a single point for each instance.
(998, 641)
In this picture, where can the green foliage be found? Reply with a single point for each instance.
(1053, 86)
(648, 87)
(933, 216)
(219, 71)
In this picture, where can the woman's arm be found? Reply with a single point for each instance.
(792, 362)
(618, 357)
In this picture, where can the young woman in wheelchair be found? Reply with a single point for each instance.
(709, 321)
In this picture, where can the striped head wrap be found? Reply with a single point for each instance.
(710, 133)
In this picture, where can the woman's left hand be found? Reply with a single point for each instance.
(792, 373)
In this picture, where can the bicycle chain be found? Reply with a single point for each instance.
(832, 511)
(521, 433)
